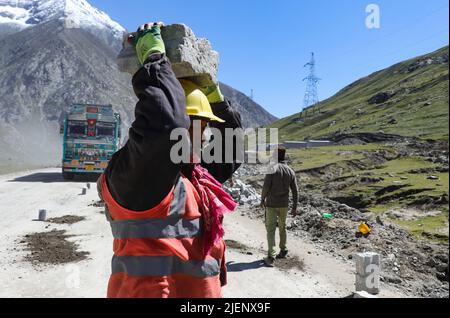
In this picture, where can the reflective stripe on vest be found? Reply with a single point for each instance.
(156, 228)
(164, 266)
(174, 226)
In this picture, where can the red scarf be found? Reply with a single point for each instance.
(215, 202)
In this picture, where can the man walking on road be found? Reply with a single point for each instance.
(275, 200)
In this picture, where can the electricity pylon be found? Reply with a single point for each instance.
(311, 96)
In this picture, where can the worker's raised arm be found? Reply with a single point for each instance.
(223, 109)
(142, 173)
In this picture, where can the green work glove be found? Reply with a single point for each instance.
(213, 93)
(149, 41)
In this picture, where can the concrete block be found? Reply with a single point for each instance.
(368, 269)
(191, 57)
(369, 283)
(365, 260)
(127, 60)
(363, 294)
(42, 215)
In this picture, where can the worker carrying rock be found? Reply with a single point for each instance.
(275, 201)
(166, 217)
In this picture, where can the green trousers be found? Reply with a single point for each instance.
(276, 216)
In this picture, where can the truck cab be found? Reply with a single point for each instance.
(91, 135)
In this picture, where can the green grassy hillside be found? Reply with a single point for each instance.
(409, 99)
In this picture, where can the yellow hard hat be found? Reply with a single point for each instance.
(197, 103)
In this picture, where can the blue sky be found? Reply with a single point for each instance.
(265, 43)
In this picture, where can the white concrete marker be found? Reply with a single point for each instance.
(363, 294)
(368, 268)
(42, 215)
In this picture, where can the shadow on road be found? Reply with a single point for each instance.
(53, 177)
(240, 267)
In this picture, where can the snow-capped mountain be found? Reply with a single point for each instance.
(54, 53)
(16, 15)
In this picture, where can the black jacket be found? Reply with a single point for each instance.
(141, 174)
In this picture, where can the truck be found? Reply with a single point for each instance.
(91, 136)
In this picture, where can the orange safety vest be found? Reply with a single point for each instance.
(158, 253)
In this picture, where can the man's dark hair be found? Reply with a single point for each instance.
(281, 154)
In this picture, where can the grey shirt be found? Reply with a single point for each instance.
(276, 187)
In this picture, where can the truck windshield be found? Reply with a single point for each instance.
(76, 128)
(105, 130)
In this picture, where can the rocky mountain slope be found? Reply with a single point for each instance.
(57, 52)
(408, 99)
(253, 114)
(44, 70)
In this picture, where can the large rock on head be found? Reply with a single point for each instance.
(192, 58)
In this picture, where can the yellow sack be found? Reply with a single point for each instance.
(365, 229)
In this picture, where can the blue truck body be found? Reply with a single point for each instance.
(91, 135)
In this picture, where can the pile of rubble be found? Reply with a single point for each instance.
(242, 193)
(417, 267)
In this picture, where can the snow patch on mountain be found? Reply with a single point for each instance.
(20, 14)
(14, 15)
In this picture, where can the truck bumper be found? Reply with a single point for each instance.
(83, 171)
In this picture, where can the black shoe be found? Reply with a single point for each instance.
(269, 261)
(282, 255)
